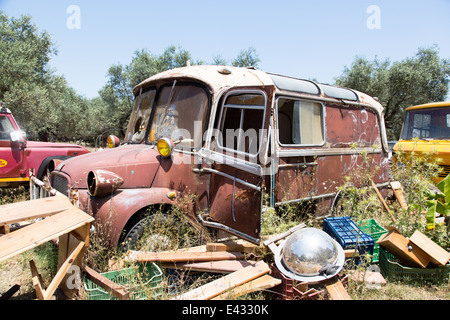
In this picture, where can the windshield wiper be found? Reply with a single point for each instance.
(171, 94)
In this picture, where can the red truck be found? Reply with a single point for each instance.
(17, 155)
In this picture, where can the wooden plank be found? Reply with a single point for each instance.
(201, 248)
(63, 270)
(33, 209)
(380, 197)
(398, 192)
(349, 253)
(114, 264)
(216, 287)
(4, 229)
(406, 251)
(183, 256)
(233, 246)
(439, 256)
(283, 235)
(118, 291)
(336, 289)
(42, 231)
(262, 283)
(225, 266)
(271, 241)
(37, 281)
(67, 243)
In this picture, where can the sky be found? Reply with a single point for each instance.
(304, 39)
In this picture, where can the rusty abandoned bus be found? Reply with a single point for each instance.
(236, 138)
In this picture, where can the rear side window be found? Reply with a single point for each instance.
(300, 122)
(242, 120)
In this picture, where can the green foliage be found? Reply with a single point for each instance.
(357, 198)
(42, 102)
(416, 172)
(438, 201)
(421, 79)
(24, 53)
(247, 58)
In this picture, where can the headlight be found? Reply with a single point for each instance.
(102, 183)
(165, 147)
(112, 141)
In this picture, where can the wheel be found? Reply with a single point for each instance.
(156, 232)
(160, 232)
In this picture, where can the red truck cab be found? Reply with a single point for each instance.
(18, 156)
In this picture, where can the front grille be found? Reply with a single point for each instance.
(445, 171)
(61, 184)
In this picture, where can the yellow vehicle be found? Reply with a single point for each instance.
(426, 128)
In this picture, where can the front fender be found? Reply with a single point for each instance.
(112, 213)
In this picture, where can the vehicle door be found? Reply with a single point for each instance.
(300, 131)
(11, 154)
(237, 149)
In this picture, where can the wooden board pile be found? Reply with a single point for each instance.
(62, 221)
(243, 268)
(242, 275)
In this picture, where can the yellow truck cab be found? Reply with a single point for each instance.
(426, 128)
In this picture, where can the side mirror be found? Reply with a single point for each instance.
(18, 138)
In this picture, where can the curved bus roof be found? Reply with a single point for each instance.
(430, 105)
(220, 77)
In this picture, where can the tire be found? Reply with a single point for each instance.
(42, 171)
(162, 232)
(158, 232)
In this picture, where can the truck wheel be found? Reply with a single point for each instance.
(157, 232)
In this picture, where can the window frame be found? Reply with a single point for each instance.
(220, 123)
(322, 122)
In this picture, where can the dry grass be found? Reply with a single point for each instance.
(399, 291)
(16, 270)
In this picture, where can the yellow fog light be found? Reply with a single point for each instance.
(112, 141)
(165, 147)
(171, 195)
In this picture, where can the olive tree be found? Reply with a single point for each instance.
(420, 79)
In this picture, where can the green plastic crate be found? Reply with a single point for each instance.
(139, 280)
(391, 269)
(373, 229)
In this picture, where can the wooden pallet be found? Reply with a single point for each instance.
(61, 221)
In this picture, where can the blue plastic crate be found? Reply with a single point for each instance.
(348, 235)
